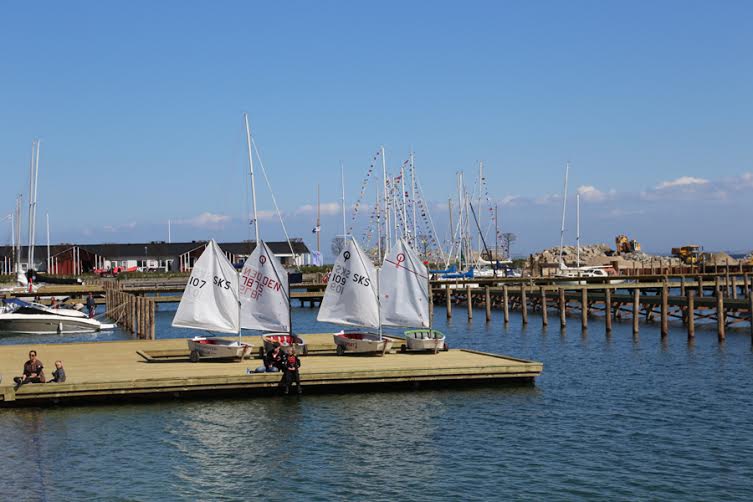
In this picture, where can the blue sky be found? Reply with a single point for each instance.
(139, 107)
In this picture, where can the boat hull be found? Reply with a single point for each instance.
(217, 348)
(47, 324)
(285, 340)
(361, 342)
(425, 340)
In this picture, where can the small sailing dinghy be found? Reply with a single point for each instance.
(265, 300)
(211, 302)
(352, 299)
(404, 298)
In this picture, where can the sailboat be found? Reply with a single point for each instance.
(404, 298)
(352, 299)
(211, 302)
(264, 289)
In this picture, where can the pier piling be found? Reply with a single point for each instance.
(563, 308)
(608, 309)
(488, 303)
(691, 314)
(505, 304)
(584, 308)
(523, 304)
(544, 313)
(636, 309)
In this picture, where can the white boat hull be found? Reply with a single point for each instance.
(424, 340)
(361, 342)
(45, 324)
(217, 348)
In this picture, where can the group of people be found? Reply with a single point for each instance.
(286, 361)
(34, 372)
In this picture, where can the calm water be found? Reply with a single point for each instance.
(610, 418)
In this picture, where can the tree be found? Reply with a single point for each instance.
(337, 246)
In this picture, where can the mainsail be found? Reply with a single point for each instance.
(404, 288)
(351, 295)
(210, 300)
(264, 292)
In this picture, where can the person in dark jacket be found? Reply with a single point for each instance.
(58, 376)
(290, 371)
(91, 305)
(33, 371)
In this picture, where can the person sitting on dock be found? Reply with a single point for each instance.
(290, 372)
(58, 376)
(33, 371)
(91, 305)
(272, 360)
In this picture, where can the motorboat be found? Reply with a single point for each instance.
(424, 340)
(355, 342)
(32, 318)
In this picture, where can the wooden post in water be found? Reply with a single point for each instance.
(470, 302)
(523, 304)
(682, 285)
(717, 287)
(726, 277)
(563, 309)
(153, 311)
(488, 303)
(700, 285)
(584, 308)
(608, 309)
(750, 308)
(691, 314)
(734, 287)
(636, 309)
(664, 309)
(448, 297)
(720, 322)
(505, 304)
(746, 291)
(544, 313)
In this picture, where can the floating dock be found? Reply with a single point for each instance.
(112, 371)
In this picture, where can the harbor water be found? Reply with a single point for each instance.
(612, 417)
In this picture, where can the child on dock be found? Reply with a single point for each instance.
(291, 374)
(58, 376)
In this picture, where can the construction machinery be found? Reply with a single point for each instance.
(691, 254)
(625, 245)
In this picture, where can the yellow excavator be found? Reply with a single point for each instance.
(625, 245)
(691, 254)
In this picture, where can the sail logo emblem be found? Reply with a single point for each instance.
(262, 259)
(346, 255)
(400, 260)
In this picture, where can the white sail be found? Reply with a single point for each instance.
(351, 296)
(264, 292)
(404, 288)
(210, 300)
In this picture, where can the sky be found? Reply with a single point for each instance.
(139, 108)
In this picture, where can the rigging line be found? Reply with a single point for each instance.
(431, 220)
(274, 200)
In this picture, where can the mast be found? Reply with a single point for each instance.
(253, 185)
(17, 230)
(480, 188)
(577, 230)
(406, 230)
(452, 231)
(413, 197)
(378, 228)
(564, 207)
(496, 237)
(169, 232)
(342, 200)
(318, 220)
(386, 203)
(48, 242)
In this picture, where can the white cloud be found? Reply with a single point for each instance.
(206, 220)
(591, 193)
(682, 181)
(327, 209)
(119, 228)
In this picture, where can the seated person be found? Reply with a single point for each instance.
(58, 376)
(273, 360)
(33, 371)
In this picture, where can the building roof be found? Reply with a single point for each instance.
(159, 249)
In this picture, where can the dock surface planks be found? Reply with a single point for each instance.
(112, 370)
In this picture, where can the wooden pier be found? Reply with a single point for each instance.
(107, 371)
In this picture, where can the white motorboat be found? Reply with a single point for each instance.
(32, 318)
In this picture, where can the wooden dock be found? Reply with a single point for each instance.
(111, 371)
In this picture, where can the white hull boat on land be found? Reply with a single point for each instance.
(362, 342)
(424, 340)
(202, 347)
(211, 302)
